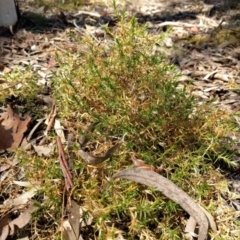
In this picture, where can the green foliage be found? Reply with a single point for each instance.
(120, 84)
(125, 88)
(19, 83)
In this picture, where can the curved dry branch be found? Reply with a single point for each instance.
(170, 190)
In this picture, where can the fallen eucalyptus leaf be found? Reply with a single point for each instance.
(12, 129)
(9, 226)
(68, 231)
(74, 218)
(22, 220)
(96, 160)
(22, 199)
(171, 191)
(4, 228)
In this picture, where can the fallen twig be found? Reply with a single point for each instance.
(51, 120)
(178, 24)
(34, 129)
(52, 117)
(64, 165)
(91, 14)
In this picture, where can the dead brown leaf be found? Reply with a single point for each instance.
(141, 164)
(2, 80)
(1, 67)
(22, 220)
(4, 229)
(12, 128)
(96, 160)
(9, 226)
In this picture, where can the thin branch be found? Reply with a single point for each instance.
(64, 165)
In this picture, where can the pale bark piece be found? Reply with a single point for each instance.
(59, 129)
(222, 76)
(189, 229)
(23, 183)
(4, 167)
(4, 175)
(39, 122)
(91, 14)
(8, 164)
(22, 199)
(50, 120)
(209, 75)
(180, 24)
(12, 128)
(170, 190)
(43, 150)
(210, 218)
